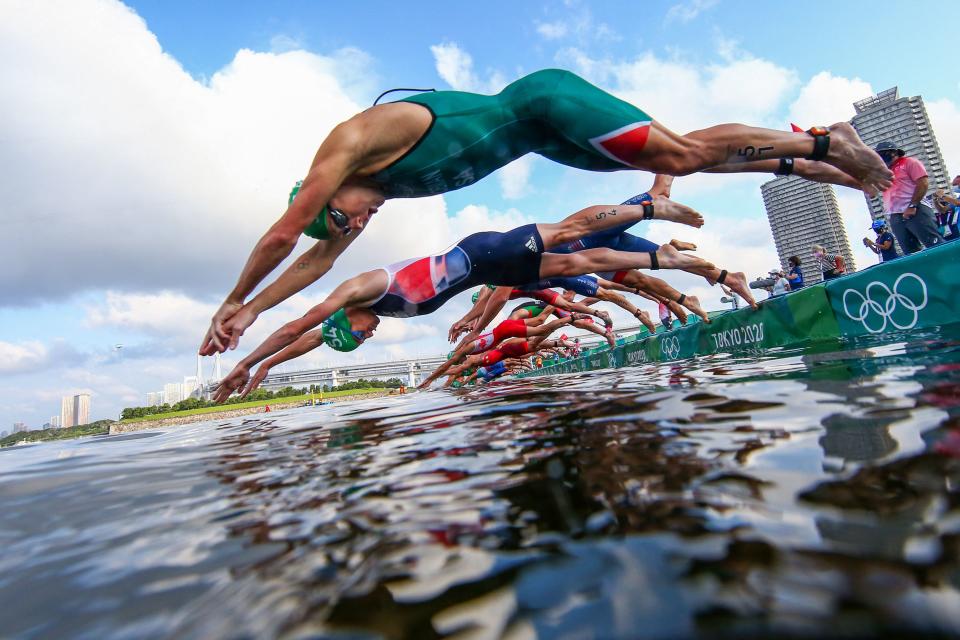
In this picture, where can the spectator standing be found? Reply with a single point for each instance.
(948, 209)
(831, 264)
(912, 221)
(665, 317)
(781, 285)
(883, 245)
(795, 274)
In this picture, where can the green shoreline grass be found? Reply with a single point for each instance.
(254, 403)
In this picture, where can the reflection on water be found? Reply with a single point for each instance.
(807, 493)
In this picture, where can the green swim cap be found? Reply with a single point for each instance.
(318, 228)
(337, 332)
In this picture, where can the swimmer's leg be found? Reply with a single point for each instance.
(600, 218)
(590, 129)
(592, 260)
(737, 146)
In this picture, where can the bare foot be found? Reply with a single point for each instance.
(822, 172)
(680, 245)
(607, 321)
(738, 283)
(678, 311)
(611, 339)
(667, 209)
(693, 304)
(670, 258)
(644, 319)
(661, 186)
(848, 153)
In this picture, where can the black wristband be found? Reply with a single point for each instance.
(786, 167)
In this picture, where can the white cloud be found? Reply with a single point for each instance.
(475, 218)
(686, 96)
(19, 358)
(139, 176)
(32, 356)
(945, 120)
(856, 222)
(515, 177)
(826, 99)
(455, 67)
(687, 11)
(552, 30)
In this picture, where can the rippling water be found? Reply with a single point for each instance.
(806, 492)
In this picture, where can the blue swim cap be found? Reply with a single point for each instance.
(878, 224)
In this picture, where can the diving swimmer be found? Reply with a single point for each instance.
(436, 142)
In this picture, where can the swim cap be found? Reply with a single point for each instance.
(878, 224)
(318, 228)
(337, 333)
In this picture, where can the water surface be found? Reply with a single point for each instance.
(796, 492)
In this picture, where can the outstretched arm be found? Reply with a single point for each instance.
(337, 158)
(457, 356)
(308, 268)
(305, 343)
(495, 302)
(356, 291)
(463, 324)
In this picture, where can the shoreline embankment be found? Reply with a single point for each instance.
(177, 421)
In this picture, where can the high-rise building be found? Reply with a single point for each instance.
(66, 412)
(19, 426)
(190, 385)
(801, 214)
(172, 392)
(154, 398)
(55, 422)
(904, 121)
(81, 409)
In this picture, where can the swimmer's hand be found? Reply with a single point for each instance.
(258, 377)
(217, 339)
(456, 329)
(236, 379)
(236, 325)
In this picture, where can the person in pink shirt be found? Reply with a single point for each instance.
(912, 221)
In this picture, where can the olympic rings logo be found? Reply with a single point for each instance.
(885, 309)
(670, 346)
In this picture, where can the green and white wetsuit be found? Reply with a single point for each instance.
(551, 112)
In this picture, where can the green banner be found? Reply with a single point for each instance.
(913, 292)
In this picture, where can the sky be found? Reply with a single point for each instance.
(146, 146)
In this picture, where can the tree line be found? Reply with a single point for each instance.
(56, 433)
(259, 394)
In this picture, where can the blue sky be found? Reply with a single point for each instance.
(148, 145)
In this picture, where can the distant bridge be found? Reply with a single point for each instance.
(412, 371)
